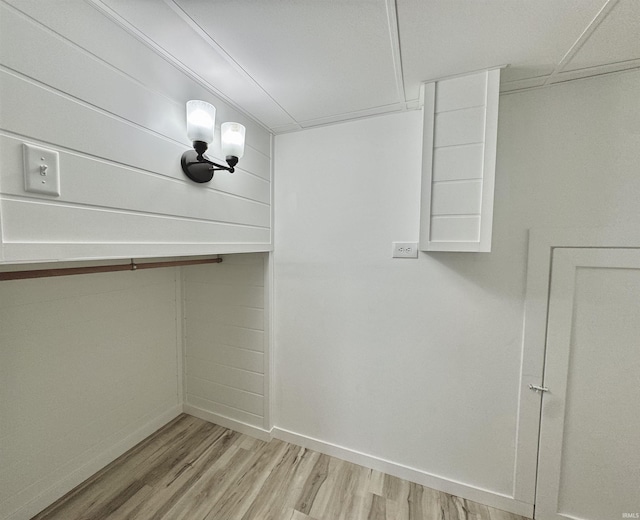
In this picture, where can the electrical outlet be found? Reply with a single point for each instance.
(405, 250)
(41, 170)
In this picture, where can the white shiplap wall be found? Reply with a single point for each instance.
(74, 81)
(225, 342)
(89, 366)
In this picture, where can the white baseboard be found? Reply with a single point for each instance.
(232, 424)
(61, 487)
(66, 483)
(466, 491)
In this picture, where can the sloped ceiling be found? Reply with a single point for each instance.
(294, 64)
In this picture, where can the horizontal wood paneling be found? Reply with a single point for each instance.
(462, 92)
(97, 183)
(46, 57)
(227, 355)
(53, 117)
(217, 333)
(227, 335)
(221, 410)
(250, 296)
(221, 312)
(456, 198)
(253, 161)
(458, 163)
(40, 113)
(225, 339)
(226, 395)
(119, 126)
(458, 228)
(43, 221)
(459, 127)
(84, 26)
(85, 362)
(226, 375)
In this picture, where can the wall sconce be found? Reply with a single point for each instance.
(201, 118)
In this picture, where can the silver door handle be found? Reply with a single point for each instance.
(537, 388)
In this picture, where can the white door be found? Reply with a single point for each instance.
(589, 458)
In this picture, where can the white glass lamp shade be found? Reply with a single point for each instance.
(201, 119)
(232, 139)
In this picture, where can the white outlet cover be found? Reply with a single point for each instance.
(404, 250)
(41, 170)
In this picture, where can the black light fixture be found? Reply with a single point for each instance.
(201, 117)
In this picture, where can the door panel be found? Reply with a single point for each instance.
(589, 460)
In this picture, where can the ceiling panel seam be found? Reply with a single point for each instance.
(356, 114)
(221, 51)
(396, 49)
(582, 39)
(573, 75)
(170, 58)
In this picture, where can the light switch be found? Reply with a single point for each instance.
(41, 170)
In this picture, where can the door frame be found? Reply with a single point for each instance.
(542, 242)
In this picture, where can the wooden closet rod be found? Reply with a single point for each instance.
(68, 271)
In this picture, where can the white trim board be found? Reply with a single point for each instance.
(482, 496)
(226, 422)
(542, 242)
(269, 391)
(181, 334)
(38, 252)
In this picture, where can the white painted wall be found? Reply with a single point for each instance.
(89, 366)
(226, 346)
(417, 361)
(75, 81)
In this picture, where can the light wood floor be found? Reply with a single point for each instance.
(194, 470)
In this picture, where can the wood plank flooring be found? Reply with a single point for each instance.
(194, 470)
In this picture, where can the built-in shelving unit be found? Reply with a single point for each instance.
(458, 162)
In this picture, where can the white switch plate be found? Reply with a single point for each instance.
(405, 250)
(41, 170)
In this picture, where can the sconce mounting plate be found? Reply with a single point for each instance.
(197, 171)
